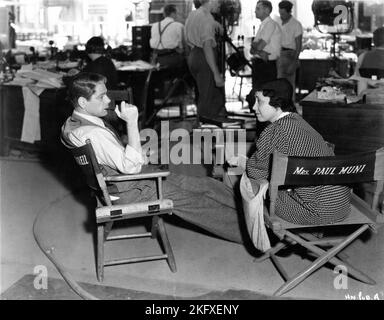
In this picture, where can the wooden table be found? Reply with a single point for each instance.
(53, 111)
(312, 69)
(356, 127)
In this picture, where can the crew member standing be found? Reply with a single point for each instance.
(266, 46)
(167, 39)
(291, 43)
(200, 31)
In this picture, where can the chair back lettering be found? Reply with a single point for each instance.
(292, 171)
(86, 159)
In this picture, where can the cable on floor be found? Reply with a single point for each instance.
(49, 251)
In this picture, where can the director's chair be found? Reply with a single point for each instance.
(107, 213)
(361, 215)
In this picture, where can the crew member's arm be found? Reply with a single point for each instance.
(358, 64)
(153, 42)
(299, 42)
(182, 43)
(208, 46)
(257, 48)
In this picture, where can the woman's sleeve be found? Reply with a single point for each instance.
(259, 164)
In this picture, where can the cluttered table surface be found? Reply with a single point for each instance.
(354, 123)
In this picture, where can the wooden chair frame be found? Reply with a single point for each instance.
(362, 215)
(107, 213)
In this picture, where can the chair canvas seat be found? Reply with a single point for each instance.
(354, 217)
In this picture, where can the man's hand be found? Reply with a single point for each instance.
(219, 81)
(253, 48)
(263, 55)
(128, 113)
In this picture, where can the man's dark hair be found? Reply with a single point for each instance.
(169, 9)
(83, 85)
(378, 37)
(95, 45)
(197, 4)
(286, 5)
(266, 4)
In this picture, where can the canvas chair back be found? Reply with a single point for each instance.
(336, 170)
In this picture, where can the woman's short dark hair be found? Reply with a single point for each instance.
(280, 93)
(286, 5)
(197, 4)
(83, 85)
(95, 45)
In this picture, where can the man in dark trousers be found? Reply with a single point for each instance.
(265, 48)
(200, 30)
(167, 39)
(202, 201)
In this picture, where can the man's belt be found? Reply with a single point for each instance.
(164, 52)
(287, 49)
(259, 59)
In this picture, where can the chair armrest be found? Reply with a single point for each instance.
(133, 210)
(139, 176)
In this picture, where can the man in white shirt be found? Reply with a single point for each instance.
(291, 43)
(265, 48)
(202, 201)
(167, 38)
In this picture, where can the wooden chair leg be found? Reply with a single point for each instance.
(167, 245)
(100, 253)
(279, 267)
(279, 246)
(310, 237)
(340, 259)
(107, 229)
(154, 227)
(329, 255)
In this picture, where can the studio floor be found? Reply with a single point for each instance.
(31, 188)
